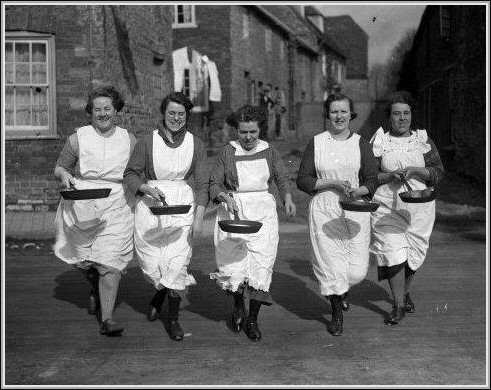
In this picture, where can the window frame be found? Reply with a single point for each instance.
(191, 24)
(33, 37)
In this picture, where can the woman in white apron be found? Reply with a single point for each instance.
(96, 235)
(240, 181)
(401, 231)
(337, 163)
(160, 165)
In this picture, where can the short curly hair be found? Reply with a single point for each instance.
(403, 97)
(105, 91)
(179, 98)
(339, 97)
(246, 113)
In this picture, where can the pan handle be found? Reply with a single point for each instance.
(162, 199)
(404, 181)
(236, 214)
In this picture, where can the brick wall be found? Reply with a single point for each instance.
(94, 44)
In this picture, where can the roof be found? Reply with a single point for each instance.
(310, 10)
(287, 18)
(332, 22)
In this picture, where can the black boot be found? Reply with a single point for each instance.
(174, 328)
(344, 302)
(336, 325)
(408, 304)
(395, 316)
(155, 305)
(94, 303)
(237, 318)
(251, 328)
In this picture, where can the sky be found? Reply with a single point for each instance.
(384, 24)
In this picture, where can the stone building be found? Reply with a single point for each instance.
(54, 54)
(446, 72)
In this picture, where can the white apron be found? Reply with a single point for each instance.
(401, 231)
(248, 258)
(340, 239)
(98, 230)
(163, 242)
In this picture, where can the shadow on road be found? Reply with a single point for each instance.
(365, 293)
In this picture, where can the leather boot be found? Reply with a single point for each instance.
(175, 331)
(155, 306)
(395, 316)
(237, 318)
(335, 327)
(251, 327)
(94, 303)
(408, 304)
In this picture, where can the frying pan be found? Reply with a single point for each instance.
(165, 209)
(238, 225)
(94, 193)
(362, 205)
(416, 196)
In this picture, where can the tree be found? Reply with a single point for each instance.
(397, 57)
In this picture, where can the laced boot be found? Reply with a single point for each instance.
(335, 327)
(408, 304)
(155, 306)
(395, 316)
(94, 302)
(175, 331)
(251, 327)
(237, 318)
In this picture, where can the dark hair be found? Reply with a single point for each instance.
(337, 97)
(105, 91)
(403, 97)
(246, 113)
(179, 98)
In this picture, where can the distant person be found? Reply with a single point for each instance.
(96, 235)
(401, 231)
(280, 111)
(162, 162)
(240, 181)
(338, 164)
(271, 112)
(265, 105)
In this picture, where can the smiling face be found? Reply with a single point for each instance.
(339, 115)
(248, 133)
(103, 114)
(400, 119)
(175, 116)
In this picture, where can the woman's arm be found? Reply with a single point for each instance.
(134, 177)
(369, 171)
(307, 180)
(67, 161)
(282, 179)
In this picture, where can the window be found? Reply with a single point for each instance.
(445, 19)
(29, 85)
(282, 49)
(186, 89)
(184, 16)
(245, 25)
(324, 64)
(268, 39)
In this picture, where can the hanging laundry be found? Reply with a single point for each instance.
(180, 61)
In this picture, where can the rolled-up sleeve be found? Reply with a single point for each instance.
(369, 167)
(434, 164)
(133, 176)
(307, 175)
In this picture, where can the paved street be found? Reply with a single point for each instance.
(51, 340)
